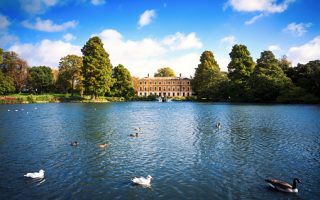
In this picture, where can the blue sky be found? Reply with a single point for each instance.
(145, 35)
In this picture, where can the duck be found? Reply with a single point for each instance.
(38, 175)
(134, 135)
(283, 186)
(137, 129)
(142, 181)
(103, 145)
(75, 143)
(218, 125)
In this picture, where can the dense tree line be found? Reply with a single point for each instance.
(92, 74)
(267, 80)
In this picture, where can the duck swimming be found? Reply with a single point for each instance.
(218, 125)
(103, 145)
(38, 175)
(134, 135)
(75, 143)
(142, 181)
(283, 186)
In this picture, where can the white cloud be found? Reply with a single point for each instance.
(147, 55)
(264, 7)
(68, 37)
(48, 25)
(7, 39)
(267, 6)
(97, 2)
(305, 53)
(254, 19)
(4, 22)
(297, 30)
(47, 52)
(146, 17)
(180, 41)
(228, 42)
(274, 48)
(36, 6)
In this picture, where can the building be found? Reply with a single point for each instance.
(165, 86)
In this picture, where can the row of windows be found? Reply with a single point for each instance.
(164, 89)
(173, 94)
(155, 83)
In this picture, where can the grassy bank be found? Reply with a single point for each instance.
(53, 98)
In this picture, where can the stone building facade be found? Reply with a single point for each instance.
(165, 86)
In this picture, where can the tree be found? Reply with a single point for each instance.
(40, 79)
(16, 68)
(69, 73)
(240, 69)
(285, 64)
(268, 80)
(96, 69)
(165, 72)
(123, 82)
(208, 79)
(6, 84)
(307, 76)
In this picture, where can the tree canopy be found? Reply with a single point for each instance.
(40, 79)
(6, 84)
(96, 69)
(207, 82)
(70, 73)
(268, 80)
(123, 82)
(165, 72)
(240, 68)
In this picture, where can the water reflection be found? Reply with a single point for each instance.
(178, 145)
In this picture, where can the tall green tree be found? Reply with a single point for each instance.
(165, 72)
(6, 84)
(240, 69)
(16, 68)
(208, 80)
(40, 79)
(123, 82)
(268, 80)
(307, 76)
(96, 69)
(285, 64)
(70, 73)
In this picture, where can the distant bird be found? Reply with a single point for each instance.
(38, 175)
(103, 145)
(35, 108)
(218, 125)
(142, 181)
(16, 110)
(75, 143)
(283, 186)
(8, 110)
(137, 129)
(134, 135)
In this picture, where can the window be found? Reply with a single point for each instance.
(169, 83)
(145, 94)
(168, 94)
(150, 89)
(140, 83)
(169, 88)
(188, 83)
(155, 83)
(164, 88)
(164, 82)
(150, 83)
(182, 88)
(173, 94)
(182, 94)
(159, 88)
(140, 93)
(155, 88)
(188, 89)
(140, 88)
(173, 88)
(178, 94)
(145, 89)
(145, 83)
(172, 82)
(159, 83)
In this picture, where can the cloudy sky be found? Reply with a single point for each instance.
(145, 35)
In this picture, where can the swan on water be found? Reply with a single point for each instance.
(39, 174)
(142, 181)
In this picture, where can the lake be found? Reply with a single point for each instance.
(178, 145)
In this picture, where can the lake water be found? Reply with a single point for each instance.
(178, 145)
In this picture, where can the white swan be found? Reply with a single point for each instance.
(142, 181)
(39, 174)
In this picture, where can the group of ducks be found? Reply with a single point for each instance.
(146, 182)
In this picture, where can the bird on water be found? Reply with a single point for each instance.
(283, 186)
